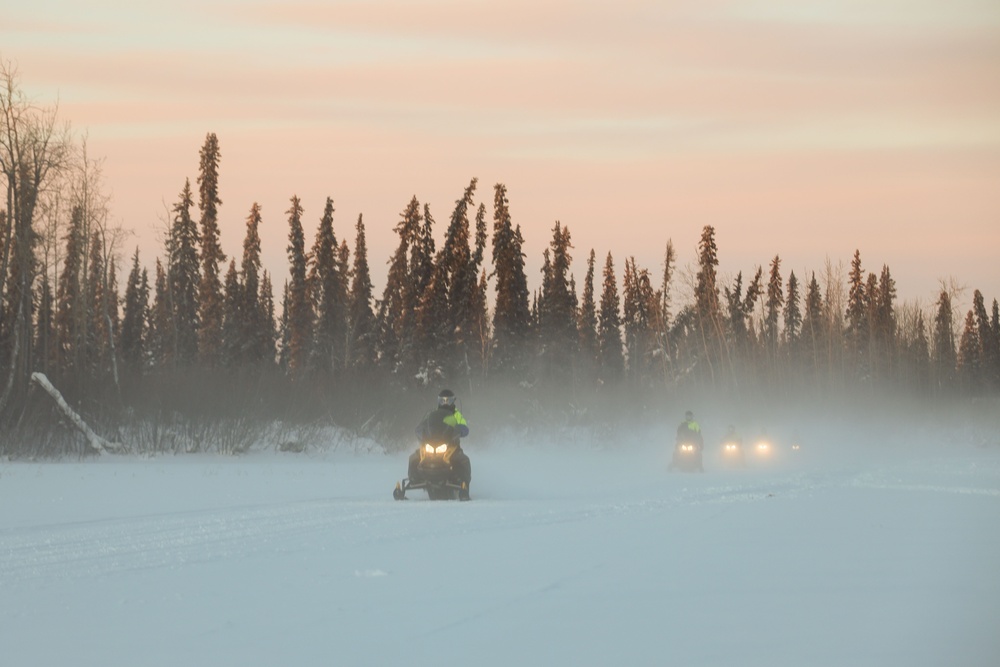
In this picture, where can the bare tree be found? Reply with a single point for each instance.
(33, 150)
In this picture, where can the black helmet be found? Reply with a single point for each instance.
(446, 398)
(689, 416)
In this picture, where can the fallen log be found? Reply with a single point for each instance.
(95, 441)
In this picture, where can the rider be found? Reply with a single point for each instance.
(447, 425)
(689, 432)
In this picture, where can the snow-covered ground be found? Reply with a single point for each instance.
(568, 555)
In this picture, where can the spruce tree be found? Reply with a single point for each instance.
(45, 335)
(134, 318)
(183, 280)
(707, 311)
(253, 331)
(329, 296)
(587, 321)
(989, 348)
(609, 335)
(71, 308)
(395, 313)
(210, 288)
(772, 308)
(556, 308)
(98, 336)
(858, 329)
(461, 277)
(362, 319)
(268, 331)
(883, 322)
(233, 343)
(297, 311)
(511, 312)
(944, 358)
(793, 313)
(970, 361)
(161, 318)
(813, 326)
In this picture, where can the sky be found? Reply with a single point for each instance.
(865, 552)
(805, 129)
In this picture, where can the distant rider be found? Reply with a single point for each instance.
(445, 424)
(689, 432)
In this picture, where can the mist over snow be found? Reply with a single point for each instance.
(874, 544)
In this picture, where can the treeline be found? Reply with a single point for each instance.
(202, 338)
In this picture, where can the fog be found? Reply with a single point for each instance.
(875, 543)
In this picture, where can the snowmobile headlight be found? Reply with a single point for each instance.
(730, 447)
(795, 448)
(441, 449)
(687, 448)
(763, 446)
(429, 448)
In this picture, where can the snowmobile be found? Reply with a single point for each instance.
(732, 454)
(763, 450)
(431, 469)
(687, 457)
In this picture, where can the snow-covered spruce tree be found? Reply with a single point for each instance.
(329, 297)
(183, 280)
(609, 335)
(511, 312)
(133, 337)
(210, 288)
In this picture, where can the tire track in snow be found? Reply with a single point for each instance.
(97, 548)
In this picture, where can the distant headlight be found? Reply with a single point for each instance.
(730, 447)
(687, 448)
(763, 446)
(795, 448)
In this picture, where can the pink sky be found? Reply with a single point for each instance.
(799, 128)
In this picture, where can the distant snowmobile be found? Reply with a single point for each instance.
(732, 454)
(687, 457)
(437, 467)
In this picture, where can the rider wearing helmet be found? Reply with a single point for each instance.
(447, 425)
(689, 432)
